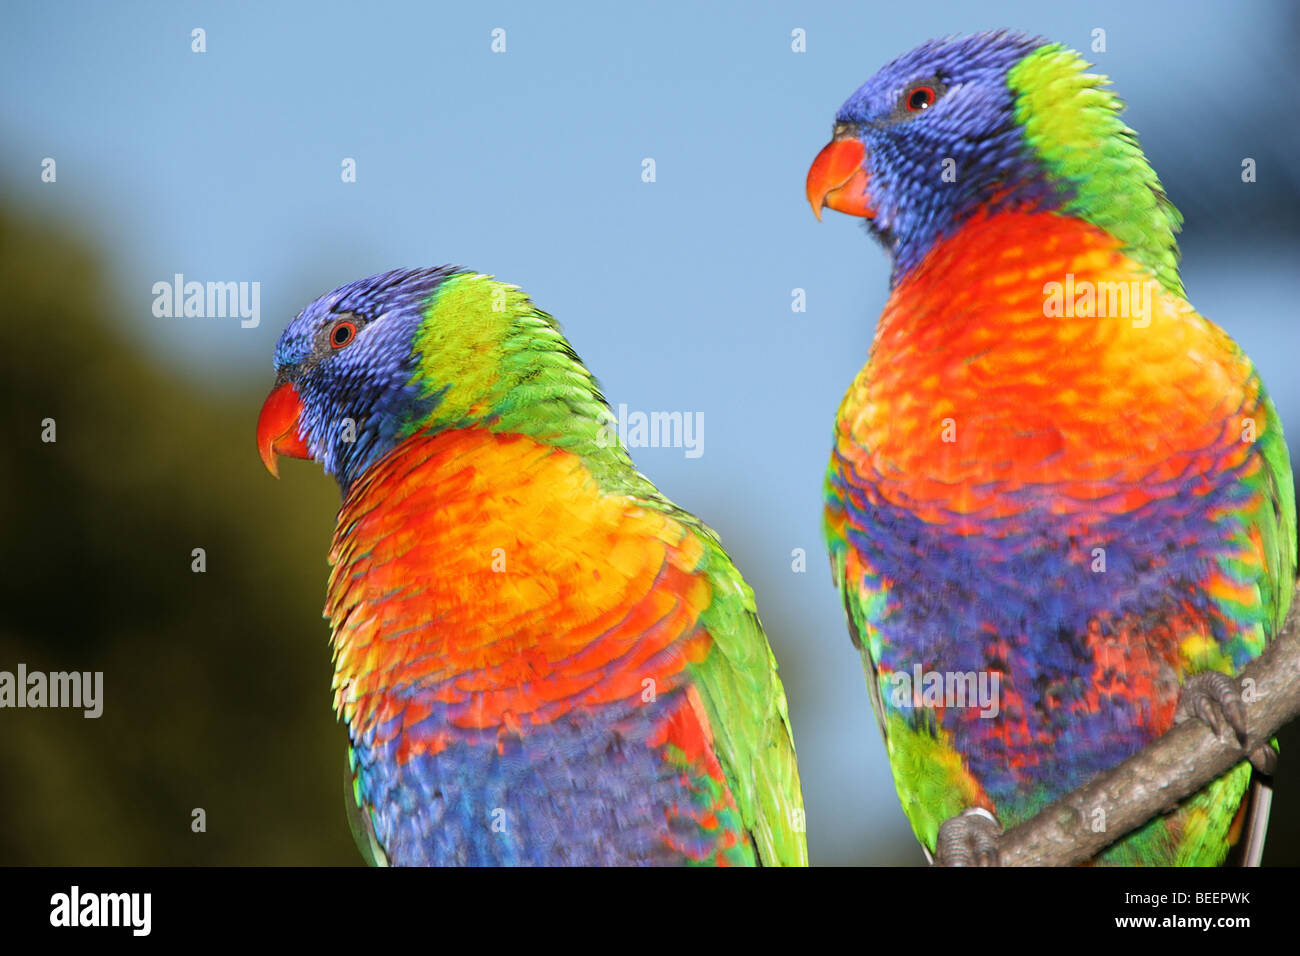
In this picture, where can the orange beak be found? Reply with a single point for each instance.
(277, 428)
(837, 179)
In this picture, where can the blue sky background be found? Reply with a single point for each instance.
(225, 166)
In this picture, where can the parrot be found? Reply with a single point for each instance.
(539, 659)
(1059, 505)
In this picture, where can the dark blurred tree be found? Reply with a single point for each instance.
(216, 685)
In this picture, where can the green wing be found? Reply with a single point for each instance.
(1277, 518)
(745, 702)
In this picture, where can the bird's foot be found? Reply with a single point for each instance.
(1212, 698)
(968, 839)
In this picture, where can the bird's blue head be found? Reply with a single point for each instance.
(379, 360)
(985, 123)
(345, 374)
(929, 140)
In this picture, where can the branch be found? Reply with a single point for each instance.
(1170, 769)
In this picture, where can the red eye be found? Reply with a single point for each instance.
(920, 98)
(342, 334)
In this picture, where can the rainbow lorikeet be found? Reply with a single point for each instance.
(1059, 505)
(539, 658)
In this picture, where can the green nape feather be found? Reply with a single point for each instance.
(497, 361)
(1073, 124)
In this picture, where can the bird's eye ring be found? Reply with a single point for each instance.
(343, 334)
(919, 98)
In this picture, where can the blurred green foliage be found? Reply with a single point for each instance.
(216, 685)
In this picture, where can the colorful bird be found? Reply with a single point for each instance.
(1059, 505)
(539, 658)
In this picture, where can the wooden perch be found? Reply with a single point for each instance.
(1081, 824)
